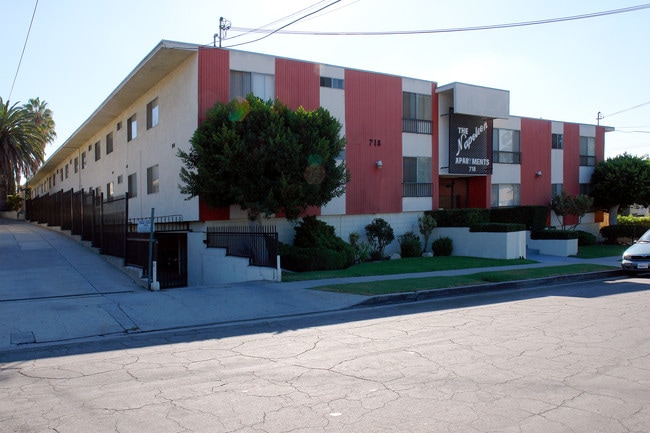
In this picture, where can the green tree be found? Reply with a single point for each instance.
(379, 234)
(426, 224)
(43, 119)
(620, 182)
(265, 158)
(22, 146)
(565, 204)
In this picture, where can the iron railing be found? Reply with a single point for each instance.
(411, 189)
(259, 244)
(417, 126)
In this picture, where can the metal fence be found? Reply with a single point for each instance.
(259, 244)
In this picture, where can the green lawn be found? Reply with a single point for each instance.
(404, 266)
(417, 284)
(601, 250)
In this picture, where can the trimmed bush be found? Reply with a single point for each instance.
(632, 231)
(316, 247)
(533, 217)
(497, 227)
(410, 245)
(442, 247)
(554, 234)
(585, 238)
(459, 217)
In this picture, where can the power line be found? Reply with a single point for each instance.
(21, 54)
(628, 109)
(284, 26)
(453, 29)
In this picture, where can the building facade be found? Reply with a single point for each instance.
(411, 145)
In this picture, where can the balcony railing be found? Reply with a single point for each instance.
(410, 189)
(416, 126)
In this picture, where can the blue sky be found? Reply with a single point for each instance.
(79, 51)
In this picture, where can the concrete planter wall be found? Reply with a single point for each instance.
(554, 247)
(12, 214)
(510, 245)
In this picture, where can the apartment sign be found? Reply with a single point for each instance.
(470, 144)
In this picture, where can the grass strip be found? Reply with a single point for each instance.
(405, 266)
(417, 284)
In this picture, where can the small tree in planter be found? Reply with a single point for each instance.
(361, 249)
(379, 234)
(426, 224)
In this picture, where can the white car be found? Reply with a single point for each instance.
(637, 258)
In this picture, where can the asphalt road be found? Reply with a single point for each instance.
(573, 358)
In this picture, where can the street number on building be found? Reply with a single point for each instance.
(374, 142)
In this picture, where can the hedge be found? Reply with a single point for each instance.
(497, 227)
(532, 217)
(612, 233)
(554, 234)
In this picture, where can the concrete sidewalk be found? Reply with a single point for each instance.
(53, 290)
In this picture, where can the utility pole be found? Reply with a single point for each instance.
(224, 26)
(599, 117)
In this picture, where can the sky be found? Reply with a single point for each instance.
(78, 52)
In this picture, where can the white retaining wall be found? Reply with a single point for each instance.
(511, 245)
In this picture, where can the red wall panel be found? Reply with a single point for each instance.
(479, 190)
(297, 84)
(214, 85)
(535, 156)
(373, 113)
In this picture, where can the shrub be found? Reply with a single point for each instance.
(585, 238)
(533, 217)
(361, 249)
(460, 217)
(14, 202)
(497, 227)
(632, 231)
(442, 247)
(316, 247)
(554, 234)
(410, 245)
(379, 234)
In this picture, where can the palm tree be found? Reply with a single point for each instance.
(43, 119)
(22, 146)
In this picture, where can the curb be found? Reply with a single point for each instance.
(424, 295)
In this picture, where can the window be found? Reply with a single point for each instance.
(585, 188)
(506, 147)
(67, 170)
(109, 143)
(98, 151)
(132, 187)
(109, 190)
(131, 128)
(505, 195)
(587, 151)
(416, 175)
(557, 141)
(243, 83)
(416, 113)
(556, 189)
(334, 83)
(153, 183)
(76, 165)
(120, 179)
(152, 114)
(119, 125)
(84, 161)
(61, 174)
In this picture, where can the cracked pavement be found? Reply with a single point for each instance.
(575, 359)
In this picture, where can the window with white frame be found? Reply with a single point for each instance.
(556, 189)
(132, 186)
(76, 165)
(67, 170)
(506, 148)
(416, 113)
(334, 83)
(153, 182)
(84, 161)
(505, 194)
(98, 151)
(131, 128)
(152, 113)
(109, 190)
(587, 151)
(244, 83)
(557, 141)
(416, 175)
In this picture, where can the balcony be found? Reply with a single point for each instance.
(411, 189)
(417, 126)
